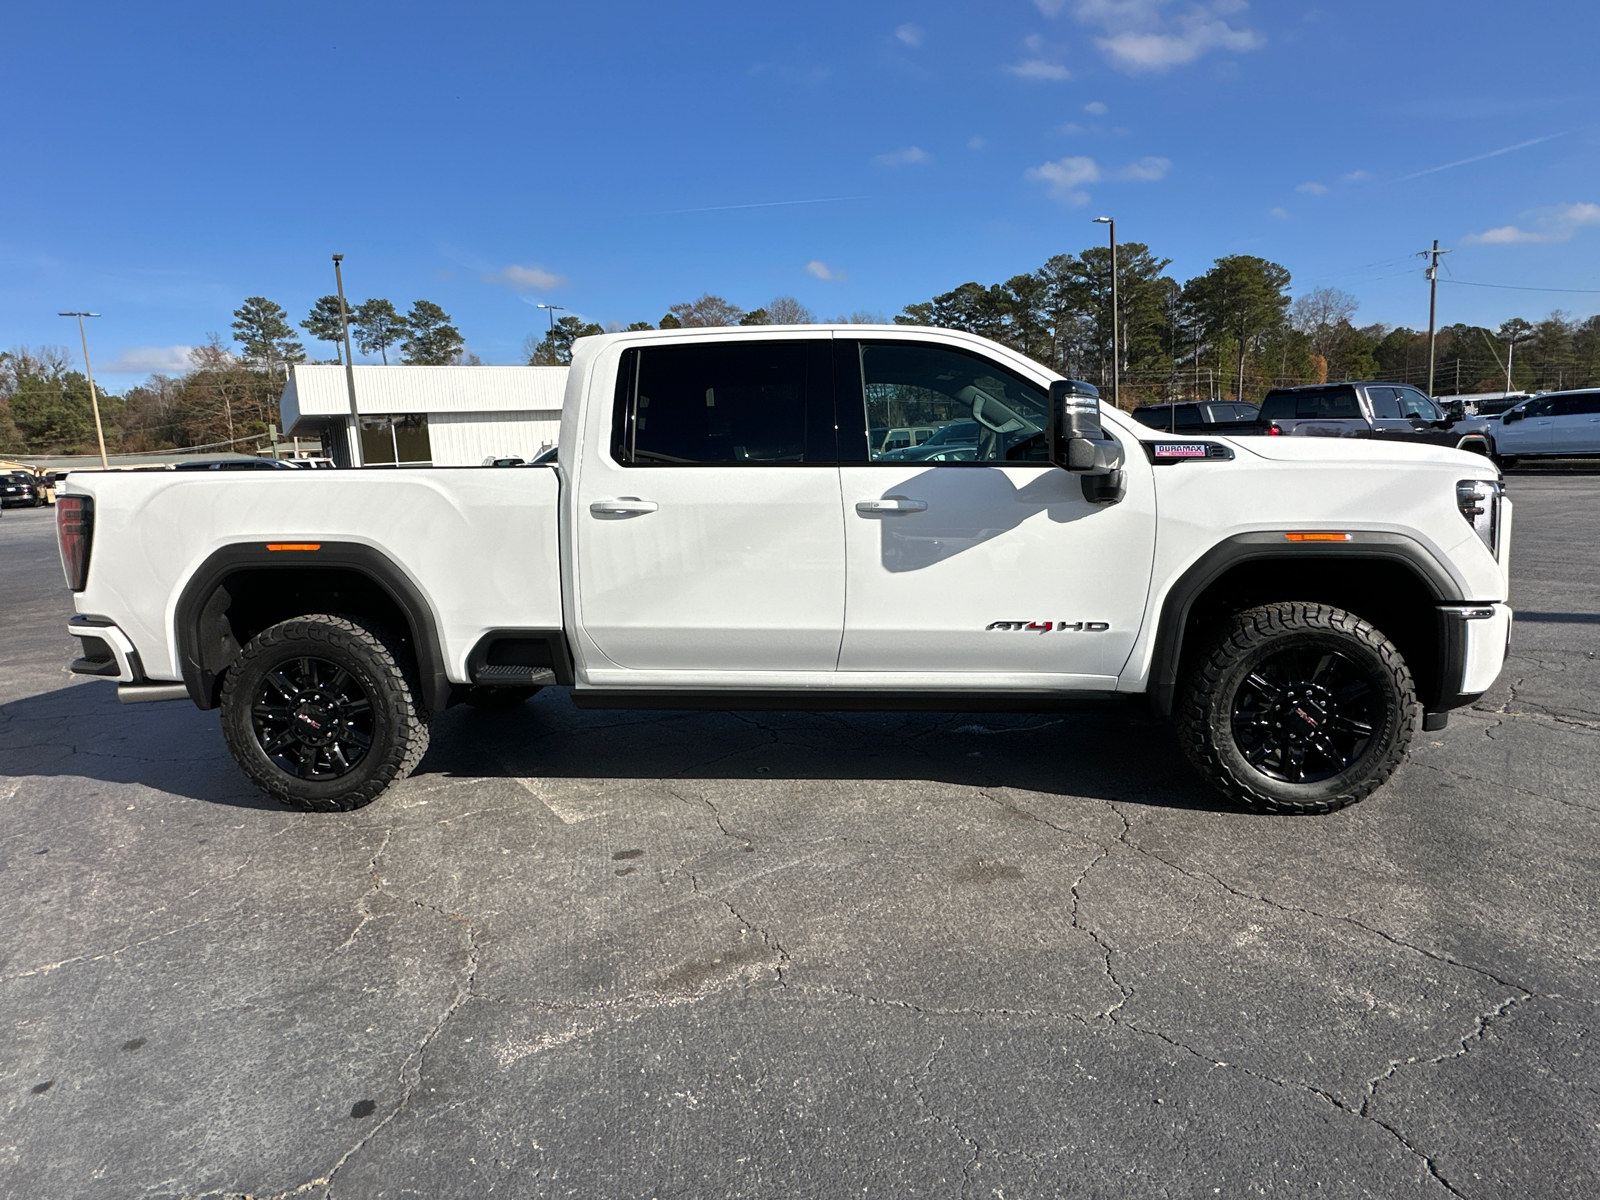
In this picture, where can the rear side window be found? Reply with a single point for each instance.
(730, 403)
(1581, 405)
(1329, 404)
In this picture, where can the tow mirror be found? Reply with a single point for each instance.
(1078, 443)
(1514, 414)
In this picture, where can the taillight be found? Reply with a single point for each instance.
(1274, 431)
(75, 532)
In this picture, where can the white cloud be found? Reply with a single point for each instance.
(1556, 224)
(1141, 37)
(149, 360)
(976, 143)
(1280, 214)
(1039, 69)
(903, 157)
(526, 279)
(822, 270)
(1096, 108)
(911, 35)
(1065, 176)
(1356, 177)
(1312, 188)
(1071, 129)
(1147, 170)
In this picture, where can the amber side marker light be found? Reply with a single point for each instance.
(294, 545)
(1317, 537)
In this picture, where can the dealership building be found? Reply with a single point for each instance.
(426, 416)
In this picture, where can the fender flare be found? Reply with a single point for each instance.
(1434, 575)
(200, 592)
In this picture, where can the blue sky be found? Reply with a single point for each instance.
(166, 161)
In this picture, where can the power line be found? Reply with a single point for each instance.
(1512, 287)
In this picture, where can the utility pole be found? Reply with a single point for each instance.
(1116, 341)
(1433, 298)
(349, 363)
(94, 397)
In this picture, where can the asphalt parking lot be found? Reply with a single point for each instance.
(776, 955)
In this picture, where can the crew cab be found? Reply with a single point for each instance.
(720, 530)
(1390, 412)
(1554, 425)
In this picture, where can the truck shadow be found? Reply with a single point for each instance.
(81, 731)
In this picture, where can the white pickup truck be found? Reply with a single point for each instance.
(719, 531)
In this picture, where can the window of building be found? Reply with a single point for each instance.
(396, 441)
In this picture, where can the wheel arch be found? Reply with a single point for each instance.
(1388, 579)
(242, 588)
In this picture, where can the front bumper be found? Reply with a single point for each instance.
(1473, 641)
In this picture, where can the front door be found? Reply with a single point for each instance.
(1529, 435)
(708, 535)
(978, 557)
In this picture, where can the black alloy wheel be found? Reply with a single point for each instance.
(312, 718)
(1297, 707)
(324, 712)
(1305, 715)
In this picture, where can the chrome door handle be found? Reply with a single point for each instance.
(868, 507)
(626, 506)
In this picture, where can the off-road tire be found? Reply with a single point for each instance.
(1206, 705)
(383, 669)
(493, 699)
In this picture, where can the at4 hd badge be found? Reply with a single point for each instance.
(1048, 626)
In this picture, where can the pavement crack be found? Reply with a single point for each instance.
(411, 1069)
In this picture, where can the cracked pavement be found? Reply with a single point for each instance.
(702, 954)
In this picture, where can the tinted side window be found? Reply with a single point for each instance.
(1329, 405)
(991, 414)
(1540, 408)
(1581, 405)
(728, 403)
(1385, 403)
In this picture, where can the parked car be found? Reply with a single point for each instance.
(941, 442)
(1211, 416)
(1299, 611)
(19, 488)
(1555, 425)
(1387, 412)
(1486, 404)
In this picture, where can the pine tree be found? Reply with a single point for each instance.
(430, 339)
(263, 329)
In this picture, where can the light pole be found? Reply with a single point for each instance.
(349, 363)
(1116, 340)
(94, 398)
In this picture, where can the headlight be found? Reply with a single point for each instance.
(1479, 502)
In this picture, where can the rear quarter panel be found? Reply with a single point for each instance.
(480, 544)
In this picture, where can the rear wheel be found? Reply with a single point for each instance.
(322, 713)
(1298, 708)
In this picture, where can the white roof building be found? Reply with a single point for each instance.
(417, 416)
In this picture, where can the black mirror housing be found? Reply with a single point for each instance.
(1080, 444)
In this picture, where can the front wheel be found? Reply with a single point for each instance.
(1298, 707)
(323, 713)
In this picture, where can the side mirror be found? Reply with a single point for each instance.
(1514, 414)
(1078, 443)
(1455, 411)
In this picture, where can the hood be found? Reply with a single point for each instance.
(1361, 450)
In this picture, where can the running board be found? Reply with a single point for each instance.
(135, 693)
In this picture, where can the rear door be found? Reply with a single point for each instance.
(994, 564)
(1575, 424)
(708, 533)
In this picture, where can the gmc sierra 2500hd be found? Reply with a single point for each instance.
(720, 532)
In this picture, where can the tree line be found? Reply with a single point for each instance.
(1231, 331)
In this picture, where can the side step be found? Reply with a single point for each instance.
(513, 676)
